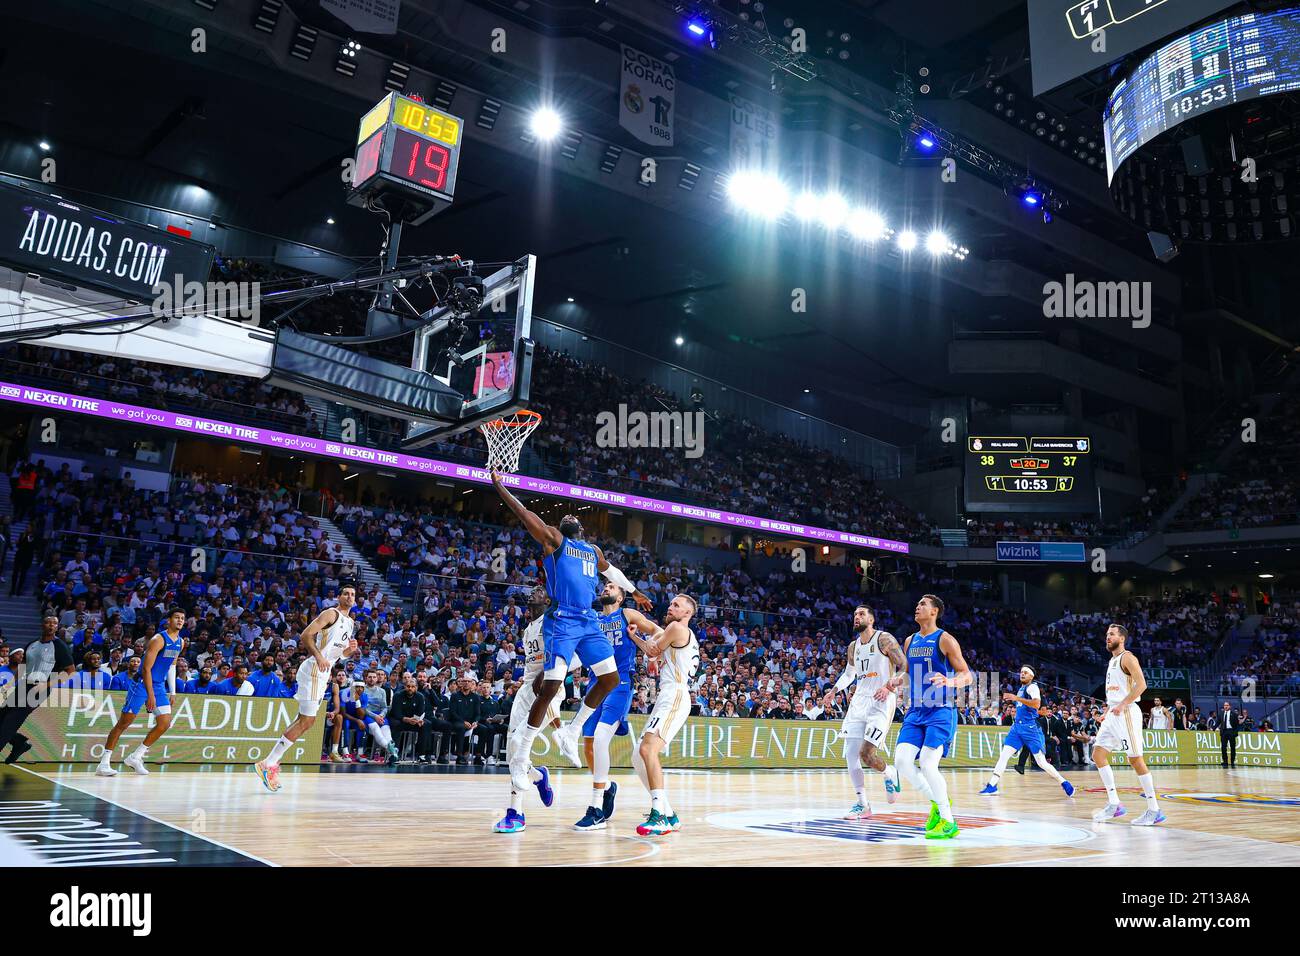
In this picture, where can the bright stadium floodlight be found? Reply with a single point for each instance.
(907, 240)
(832, 210)
(867, 225)
(937, 244)
(758, 194)
(545, 123)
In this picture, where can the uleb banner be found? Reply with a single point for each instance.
(716, 742)
(206, 728)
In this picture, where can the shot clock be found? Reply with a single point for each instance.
(406, 157)
(1011, 473)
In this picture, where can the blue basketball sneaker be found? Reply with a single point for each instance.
(544, 789)
(607, 802)
(1068, 788)
(990, 789)
(594, 820)
(512, 822)
(893, 786)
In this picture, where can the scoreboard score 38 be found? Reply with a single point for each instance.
(1029, 473)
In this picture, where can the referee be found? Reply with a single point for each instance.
(41, 661)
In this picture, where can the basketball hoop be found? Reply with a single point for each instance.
(505, 438)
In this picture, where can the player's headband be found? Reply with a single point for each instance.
(1026, 667)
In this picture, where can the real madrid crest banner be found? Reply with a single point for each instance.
(645, 97)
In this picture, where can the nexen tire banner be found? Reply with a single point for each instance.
(715, 742)
(206, 728)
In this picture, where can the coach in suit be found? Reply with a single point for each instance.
(1229, 724)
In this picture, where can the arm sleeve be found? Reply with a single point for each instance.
(613, 574)
(850, 672)
(171, 680)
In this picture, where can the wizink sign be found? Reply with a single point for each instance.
(1041, 551)
(1098, 300)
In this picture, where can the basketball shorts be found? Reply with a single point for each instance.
(929, 727)
(312, 685)
(523, 703)
(1122, 734)
(669, 713)
(137, 697)
(566, 632)
(869, 721)
(1025, 735)
(613, 709)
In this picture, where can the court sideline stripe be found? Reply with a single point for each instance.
(141, 813)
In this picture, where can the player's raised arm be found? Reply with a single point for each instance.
(1137, 681)
(323, 620)
(952, 650)
(888, 645)
(544, 534)
(640, 622)
(613, 574)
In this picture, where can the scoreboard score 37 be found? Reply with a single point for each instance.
(1010, 473)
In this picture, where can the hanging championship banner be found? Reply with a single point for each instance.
(645, 97)
(366, 16)
(753, 134)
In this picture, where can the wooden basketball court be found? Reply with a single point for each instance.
(373, 816)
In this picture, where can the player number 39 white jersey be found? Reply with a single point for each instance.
(678, 665)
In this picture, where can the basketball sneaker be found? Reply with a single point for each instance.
(592, 821)
(1149, 819)
(893, 786)
(946, 830)
(512, 822)
(544, 789)
(336, 757)
(858, 812)
(269, 775)
(566, 741)
(105, 769)
(1110, 811)
(136, 762)
(674, 823)
(519, 776)
(656, 824)
(607, 801)
(933, 819)
(991, 789)
(1068, 788)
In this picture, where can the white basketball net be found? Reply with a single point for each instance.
(505, 439)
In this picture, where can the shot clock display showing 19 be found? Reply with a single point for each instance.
(1011, 473)
(408, 149)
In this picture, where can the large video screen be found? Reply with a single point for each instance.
(1240, 58)
(1009, 473)
(1068, 38)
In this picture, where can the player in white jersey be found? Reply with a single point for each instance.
(534, 665)
(679, 659)
(1121, 730)
(337, 627)
(874, 657)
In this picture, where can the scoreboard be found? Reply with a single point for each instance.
(1013, 473)
(406, 151)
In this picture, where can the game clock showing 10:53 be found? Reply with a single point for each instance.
(409, 147)
(1029, 473)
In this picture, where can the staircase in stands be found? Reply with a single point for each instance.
(19, 615)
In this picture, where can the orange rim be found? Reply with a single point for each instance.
(527, 416)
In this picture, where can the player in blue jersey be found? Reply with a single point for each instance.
(935, 668)
(1025, 732)
(152, 691)
(602, 725)
(570, 626)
